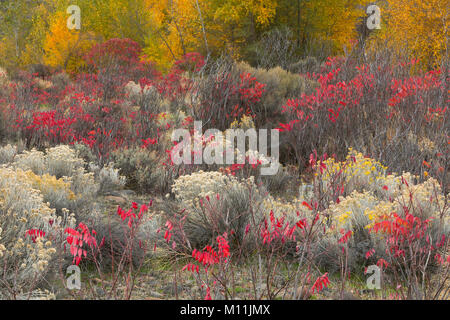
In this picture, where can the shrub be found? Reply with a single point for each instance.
(117, 251)
(56, 192)
(117, 244)
(225, 91)
(143, 169)
(60, 82)
(275, 48)
(108, 177)
(280, 85)
(116, 62)
(267, 242)
(410, 244)
(307, 65)
(62, 163)
(216, 203)
(367, 195)
(24, 221)
(354, 213)
(63, 180)
(7, 154)
(247, 163)
(376, 108)
(147, 97)
(41, 70)
(61, 183)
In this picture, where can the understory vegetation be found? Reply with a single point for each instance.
(88, 178)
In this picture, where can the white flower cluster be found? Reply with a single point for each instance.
(63, 163)
(108, 177)
(250, 156)
(58, 161)
(191, 188)
(33, 160)
(428, 198)
(22, 209)
(217, 202)
(7, 154)
(37, 294)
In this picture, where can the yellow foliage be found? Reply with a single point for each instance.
(60, 42)
(47, 184)
(33, 51)
(372, 195)
(65, 47)
(8, 57)
(234, 11)
(418, 29)
(181, 26)
(168, 29)
(334, 20)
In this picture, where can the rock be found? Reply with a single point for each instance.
(155, 294)
(128, 193)
(115, 199)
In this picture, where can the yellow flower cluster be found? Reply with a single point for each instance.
(353, 210)
(371, 195)
(61, 176)
(48, 184)
(245, 123)
(382, 210)
(359, 172)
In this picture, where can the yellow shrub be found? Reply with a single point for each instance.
(371, 195)
(417, 28)
(49, 184)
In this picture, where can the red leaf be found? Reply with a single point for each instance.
(306, 204)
